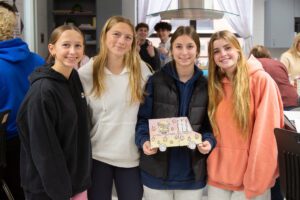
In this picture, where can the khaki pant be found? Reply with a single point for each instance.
(215, 193)
(153, 194)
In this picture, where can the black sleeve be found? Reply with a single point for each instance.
(47, 154)
(155, 61)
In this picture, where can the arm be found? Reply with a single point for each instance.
(144, 114)
(262, 166)
(154, 60)
(47, 154)
(285, 60)
(209, 141)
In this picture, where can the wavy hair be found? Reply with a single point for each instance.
(131, 60)
(240, 84)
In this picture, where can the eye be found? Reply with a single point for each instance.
(190, 46)
(215, 51)
(178, 46)
(227, 47)
(128, 37)
(116, 34)
(78, 46)
(66, 45)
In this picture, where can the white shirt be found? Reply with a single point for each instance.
(113, 117)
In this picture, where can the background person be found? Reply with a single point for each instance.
(16, 63)
(291, 59)
(279, 73)
(148, 52)
(163, 30)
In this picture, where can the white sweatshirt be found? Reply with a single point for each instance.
(113, 117)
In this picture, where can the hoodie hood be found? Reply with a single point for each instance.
(170, 69)
(46, 72)
(254, 65)
(14, 50)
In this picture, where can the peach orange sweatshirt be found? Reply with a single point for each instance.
(247, 164)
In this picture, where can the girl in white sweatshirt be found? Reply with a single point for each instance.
(113, 83)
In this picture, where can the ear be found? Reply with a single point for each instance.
(51, 49)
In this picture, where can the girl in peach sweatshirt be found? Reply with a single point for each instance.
(244, 108)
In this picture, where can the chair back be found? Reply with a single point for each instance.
(3, 122)
(288, 143)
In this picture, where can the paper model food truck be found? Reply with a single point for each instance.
(172, 132)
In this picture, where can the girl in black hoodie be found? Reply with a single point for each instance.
(53, 125)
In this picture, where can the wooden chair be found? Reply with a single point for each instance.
(288, 143)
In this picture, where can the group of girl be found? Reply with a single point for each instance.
(83, 131)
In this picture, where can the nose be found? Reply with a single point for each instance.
(72, 49)
(184, 50)
(222, 52)
(122, 40)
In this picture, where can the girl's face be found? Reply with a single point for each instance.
(184, 51)
(225, 55)
(68, 49)
(119, 39)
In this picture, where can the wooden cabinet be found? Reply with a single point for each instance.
(279, 23)
(81, 13)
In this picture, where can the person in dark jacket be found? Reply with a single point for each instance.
(53, 125)
(148, 52)
(178, 89)
(16, 63)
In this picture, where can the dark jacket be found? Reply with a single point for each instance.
(16, 63)
(55, 143)
(154, 62)
(164, 100)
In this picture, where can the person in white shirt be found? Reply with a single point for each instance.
(163, 30)
(113, 83)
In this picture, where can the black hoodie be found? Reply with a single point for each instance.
(55, 144)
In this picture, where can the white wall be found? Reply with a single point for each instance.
(129, 10)
(258, 21)
(258, 27)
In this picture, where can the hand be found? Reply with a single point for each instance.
(147, 149)
(163, 50)
(138, 45)
(80, 196)
(204, 147)
(150, 49)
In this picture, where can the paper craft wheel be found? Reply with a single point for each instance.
(162, 147)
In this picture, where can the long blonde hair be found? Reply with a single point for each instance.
(240, 84)
(293, 49)
(131, 61)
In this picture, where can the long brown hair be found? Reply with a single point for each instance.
(131, 61)
(240, 84)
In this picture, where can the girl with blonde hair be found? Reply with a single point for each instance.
(113, 82)
(291, 59)
(244, 108)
